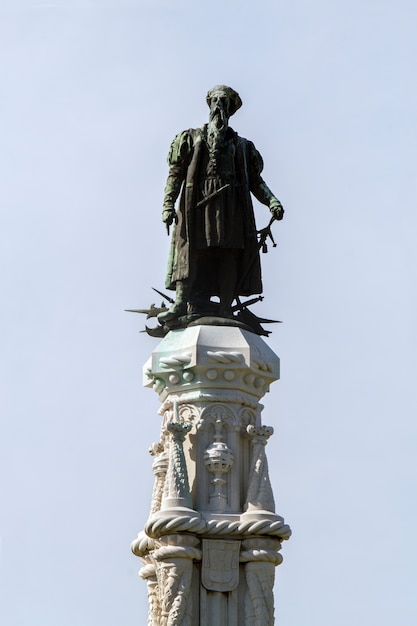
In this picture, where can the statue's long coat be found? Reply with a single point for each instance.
(184, 160)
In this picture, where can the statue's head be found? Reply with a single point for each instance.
(224, 96)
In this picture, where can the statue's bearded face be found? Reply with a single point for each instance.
(218, 123)
(219, 111)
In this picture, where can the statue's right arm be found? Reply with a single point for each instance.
(178, 158)
(258, 187)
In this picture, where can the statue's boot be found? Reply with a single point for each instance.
(180, 305)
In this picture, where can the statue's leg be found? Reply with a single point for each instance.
(227, 279)
(180, 305)
(203, 287)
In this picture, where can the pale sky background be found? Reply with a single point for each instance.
(92, 94)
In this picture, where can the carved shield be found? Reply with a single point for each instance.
(220, 566)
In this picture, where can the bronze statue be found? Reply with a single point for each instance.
(214, 246)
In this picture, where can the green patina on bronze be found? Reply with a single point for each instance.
(214, 246)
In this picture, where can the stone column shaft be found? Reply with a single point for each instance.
(213, 531)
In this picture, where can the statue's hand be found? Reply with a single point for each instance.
(169, 215)
(277, 211)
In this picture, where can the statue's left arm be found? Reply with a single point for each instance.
(258, 187)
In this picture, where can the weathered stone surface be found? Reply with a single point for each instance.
(212, 499)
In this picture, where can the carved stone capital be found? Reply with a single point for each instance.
(219, 358)
(179, 430)
(260, 434)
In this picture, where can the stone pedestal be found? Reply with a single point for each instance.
(212, 540)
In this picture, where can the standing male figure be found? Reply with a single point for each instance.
(214, 249)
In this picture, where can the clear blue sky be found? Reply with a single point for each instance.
(92, 95)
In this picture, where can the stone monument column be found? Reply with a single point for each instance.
(212, 540)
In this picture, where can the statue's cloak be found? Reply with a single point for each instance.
(184, 160)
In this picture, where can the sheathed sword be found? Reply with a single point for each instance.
(211, 196)
(205, 200)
